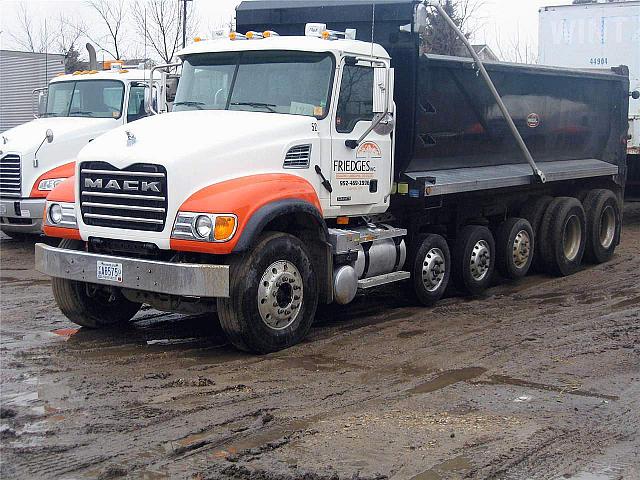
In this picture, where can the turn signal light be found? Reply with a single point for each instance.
(225, 228)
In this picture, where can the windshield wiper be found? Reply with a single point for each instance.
(198, 105)
(269, 106)
(90, 114)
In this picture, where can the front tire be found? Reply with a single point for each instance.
(89, 305)
(474, 259)
(603, 225)
(273, 295)
(431, 269)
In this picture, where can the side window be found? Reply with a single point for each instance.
(356, 98)
(135, 111)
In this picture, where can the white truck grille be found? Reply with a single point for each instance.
(133, 198)
(10, 176)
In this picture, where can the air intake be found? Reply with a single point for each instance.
(298, 157)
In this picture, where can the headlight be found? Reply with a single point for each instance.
(61, 214)
(49, 184)
(205, 227)
(55, 213)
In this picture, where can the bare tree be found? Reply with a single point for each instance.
(159, 22)
(32, 37)
(68, 32)
(112, 13)
(517, 49)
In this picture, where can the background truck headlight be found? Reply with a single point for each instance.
(61, 214)
(55, 213)
(205, 227)
(49, 184)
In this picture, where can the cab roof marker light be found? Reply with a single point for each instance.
(348, 34)
(251, 35)
(270, 33)
(237, 36)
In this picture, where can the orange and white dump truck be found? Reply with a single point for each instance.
(306, 166)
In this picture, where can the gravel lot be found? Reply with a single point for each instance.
(538, 379)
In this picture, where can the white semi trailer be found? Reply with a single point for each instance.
(598, 35)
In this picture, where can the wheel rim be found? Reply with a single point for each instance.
(521, 249)
(480, 260)
(607, 227)
(433, 269)
(280, 295)
(572, 238)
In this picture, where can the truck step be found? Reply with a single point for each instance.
(366, 283)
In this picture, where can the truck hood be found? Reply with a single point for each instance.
(198, 138)
(25, 139)
(70, 134)
(202, 148)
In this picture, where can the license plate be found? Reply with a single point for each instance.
(109, 271)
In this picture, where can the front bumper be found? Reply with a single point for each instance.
(21, 215)
(182, 279)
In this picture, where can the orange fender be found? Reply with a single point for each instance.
(63, 171)
(244, 197)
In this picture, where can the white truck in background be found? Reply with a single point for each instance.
(598, 35)
(72, 111)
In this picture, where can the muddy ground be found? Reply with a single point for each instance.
(538, 379)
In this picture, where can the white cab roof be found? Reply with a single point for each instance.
(126, 75)
(299, 44)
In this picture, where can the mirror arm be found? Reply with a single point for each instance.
(157, 67)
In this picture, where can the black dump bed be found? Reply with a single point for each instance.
(446, 117)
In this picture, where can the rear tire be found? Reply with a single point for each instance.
(514, 248)
(90, 305)
(533, 213)
(273, 295)
(603, 225)
(474, 259)
(431, 269)
(562, 236)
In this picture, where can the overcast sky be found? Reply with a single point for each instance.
(499, 23)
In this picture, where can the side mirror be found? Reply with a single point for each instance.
(380, 90)
(49, 135)
(172, 88)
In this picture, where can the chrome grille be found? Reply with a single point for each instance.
(134, 198)
(298, 157)
(10, 176)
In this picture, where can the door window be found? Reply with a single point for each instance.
(135, 111)
(355, 103)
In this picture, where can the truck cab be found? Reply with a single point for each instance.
(73, 111)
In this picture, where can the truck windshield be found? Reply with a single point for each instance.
(85, 98)
(295, 83)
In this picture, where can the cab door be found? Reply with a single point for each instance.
(361, 175)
